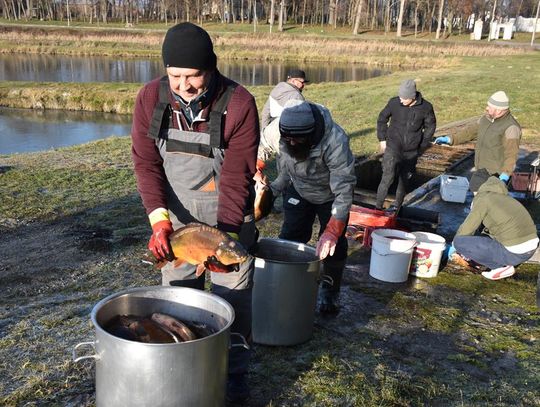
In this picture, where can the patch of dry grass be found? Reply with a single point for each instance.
(281, 47)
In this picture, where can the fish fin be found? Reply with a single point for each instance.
(160, 264)
(148, 258)
(200, 269)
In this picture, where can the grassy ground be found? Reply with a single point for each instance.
(454, 340)
(73, 231)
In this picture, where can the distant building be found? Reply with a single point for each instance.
(526, 24)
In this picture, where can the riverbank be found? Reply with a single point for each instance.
(374, 50)
(457, 93)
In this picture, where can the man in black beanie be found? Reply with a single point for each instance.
(194, 144)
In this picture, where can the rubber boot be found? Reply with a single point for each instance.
(330, 286)
(238, 389)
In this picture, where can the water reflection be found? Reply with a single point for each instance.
(26, 130)
(57, 68)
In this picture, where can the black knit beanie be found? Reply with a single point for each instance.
(187, 45)
(297, 119)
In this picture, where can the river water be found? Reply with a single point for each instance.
(27, 130)
(24, 130)
(58, 68)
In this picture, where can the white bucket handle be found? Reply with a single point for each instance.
(392, 254)
(79, 358)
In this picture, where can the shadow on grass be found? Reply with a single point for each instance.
(360, 133)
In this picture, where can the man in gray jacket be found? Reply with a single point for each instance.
(317, 178)
(291, 89)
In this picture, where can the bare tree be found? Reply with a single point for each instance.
(492, 19)
(400, 17)
(357, 17)
(535, 23)
(439, 20)
(281, 14)
(272, 13)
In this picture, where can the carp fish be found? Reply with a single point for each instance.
(178, 328)
(155, 328)
(140, 329)
(264, 200)
(202, 245)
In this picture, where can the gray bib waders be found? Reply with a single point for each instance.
(192, 163)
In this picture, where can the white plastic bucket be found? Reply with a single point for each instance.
(391, 255)
(427, 254)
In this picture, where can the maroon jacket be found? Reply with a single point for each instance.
(241, 137)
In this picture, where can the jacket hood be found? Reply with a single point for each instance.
(493, 184)
(323, 123)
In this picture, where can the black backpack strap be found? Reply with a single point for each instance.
(175, 146)
(216, 122)
(163, 106)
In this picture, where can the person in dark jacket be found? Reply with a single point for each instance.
(404, 128)
(195, 136)
(509, 233)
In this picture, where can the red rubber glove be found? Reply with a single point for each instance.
(259, 176)
(159, 243)
(326, 246)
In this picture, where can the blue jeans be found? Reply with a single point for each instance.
(488, 252)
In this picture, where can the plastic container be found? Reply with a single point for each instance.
(454, 188)
(361, 216)
(285, 288)
(525, 182)
(391, 255)
(363, 221)
(427, 254)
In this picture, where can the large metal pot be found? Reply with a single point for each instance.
(285, 288)
(134, 374)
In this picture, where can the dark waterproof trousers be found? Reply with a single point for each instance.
(400, 164)
(299, 216)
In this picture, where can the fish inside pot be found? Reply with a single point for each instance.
(156, 328)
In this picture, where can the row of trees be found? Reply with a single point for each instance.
(423, 15)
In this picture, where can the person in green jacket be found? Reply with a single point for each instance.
(497, 140)
(509, 235)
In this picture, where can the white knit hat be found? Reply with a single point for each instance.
(499, 100)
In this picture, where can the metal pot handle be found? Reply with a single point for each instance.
(244, 343)
(79, 358)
